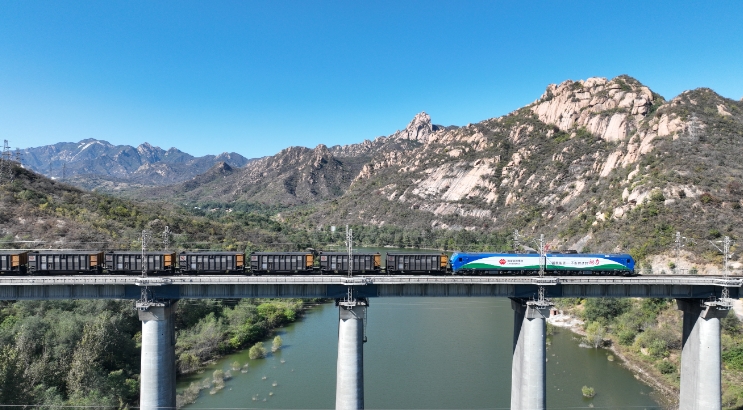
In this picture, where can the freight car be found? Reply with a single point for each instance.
(211, 262)
(129, 263)
(282, 262)
(554, 264)
(417, 264)
(13, 262)
(337, 263)
(65, 262)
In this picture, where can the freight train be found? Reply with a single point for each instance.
(93, 262)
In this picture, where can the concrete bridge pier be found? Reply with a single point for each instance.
(529, 368)
(700, 354)
(349, 393)
(157, 379)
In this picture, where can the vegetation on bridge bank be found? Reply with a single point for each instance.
(87, 353)
(647, 333)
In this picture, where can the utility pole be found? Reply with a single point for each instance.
(64, 170)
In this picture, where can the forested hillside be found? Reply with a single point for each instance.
(38, 212)
(87, 353)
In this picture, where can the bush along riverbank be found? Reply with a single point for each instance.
(208, 329)
(646, 335)
(212, 329)
(86, 353)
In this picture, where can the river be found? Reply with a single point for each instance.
(422, 353)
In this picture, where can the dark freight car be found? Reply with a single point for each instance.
(417, 263)
(13, 261)
(211, 262)
(337, 262)
(282, 262)
(63, 262)
(131, 262)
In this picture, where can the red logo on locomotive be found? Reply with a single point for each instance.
(502, 261)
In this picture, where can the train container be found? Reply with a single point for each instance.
(130, 263)
(65, 262)
(417, 263)
(554, 264)
(282, 262)
(211, 262)
(13, 262)
(337, 262)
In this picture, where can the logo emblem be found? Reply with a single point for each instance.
(502, 261)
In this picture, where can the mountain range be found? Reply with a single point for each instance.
(597, 164)
(94, 163)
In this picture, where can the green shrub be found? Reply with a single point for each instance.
(627, 337)
(603, 309)
(657, 196)
(257, 351)
(588, 391)
(733, 358)
(666, 367)
(657, 348)
(277, 343)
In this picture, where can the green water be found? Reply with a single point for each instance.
(422, 353)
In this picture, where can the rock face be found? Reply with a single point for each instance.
(608, 109)
(91, 159)
(589, 156)
(593, 163)
(419, 129)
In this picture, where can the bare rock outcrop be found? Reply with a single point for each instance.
(608, 109)
(419, 129)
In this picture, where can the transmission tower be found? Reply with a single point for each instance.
(693, 123)
(725, 250)
(516, 242)
(349, 249)
(166, 238)
(6, 168)
(145, 239)
(680, 242)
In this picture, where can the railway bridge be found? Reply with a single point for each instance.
(704, 300)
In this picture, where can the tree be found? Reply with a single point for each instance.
(13, 386)
(277, 343)
(595, 334)
(604, 309)
(257, 351)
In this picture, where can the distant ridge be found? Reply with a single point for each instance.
(92, 162)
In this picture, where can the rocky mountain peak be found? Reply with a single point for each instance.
(419, 128)
(609, 109)
(321, 155)
(150, 153)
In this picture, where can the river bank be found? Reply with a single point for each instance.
(667, 392)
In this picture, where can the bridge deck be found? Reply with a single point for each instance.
(240, 286)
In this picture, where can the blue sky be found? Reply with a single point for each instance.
(256, 77)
